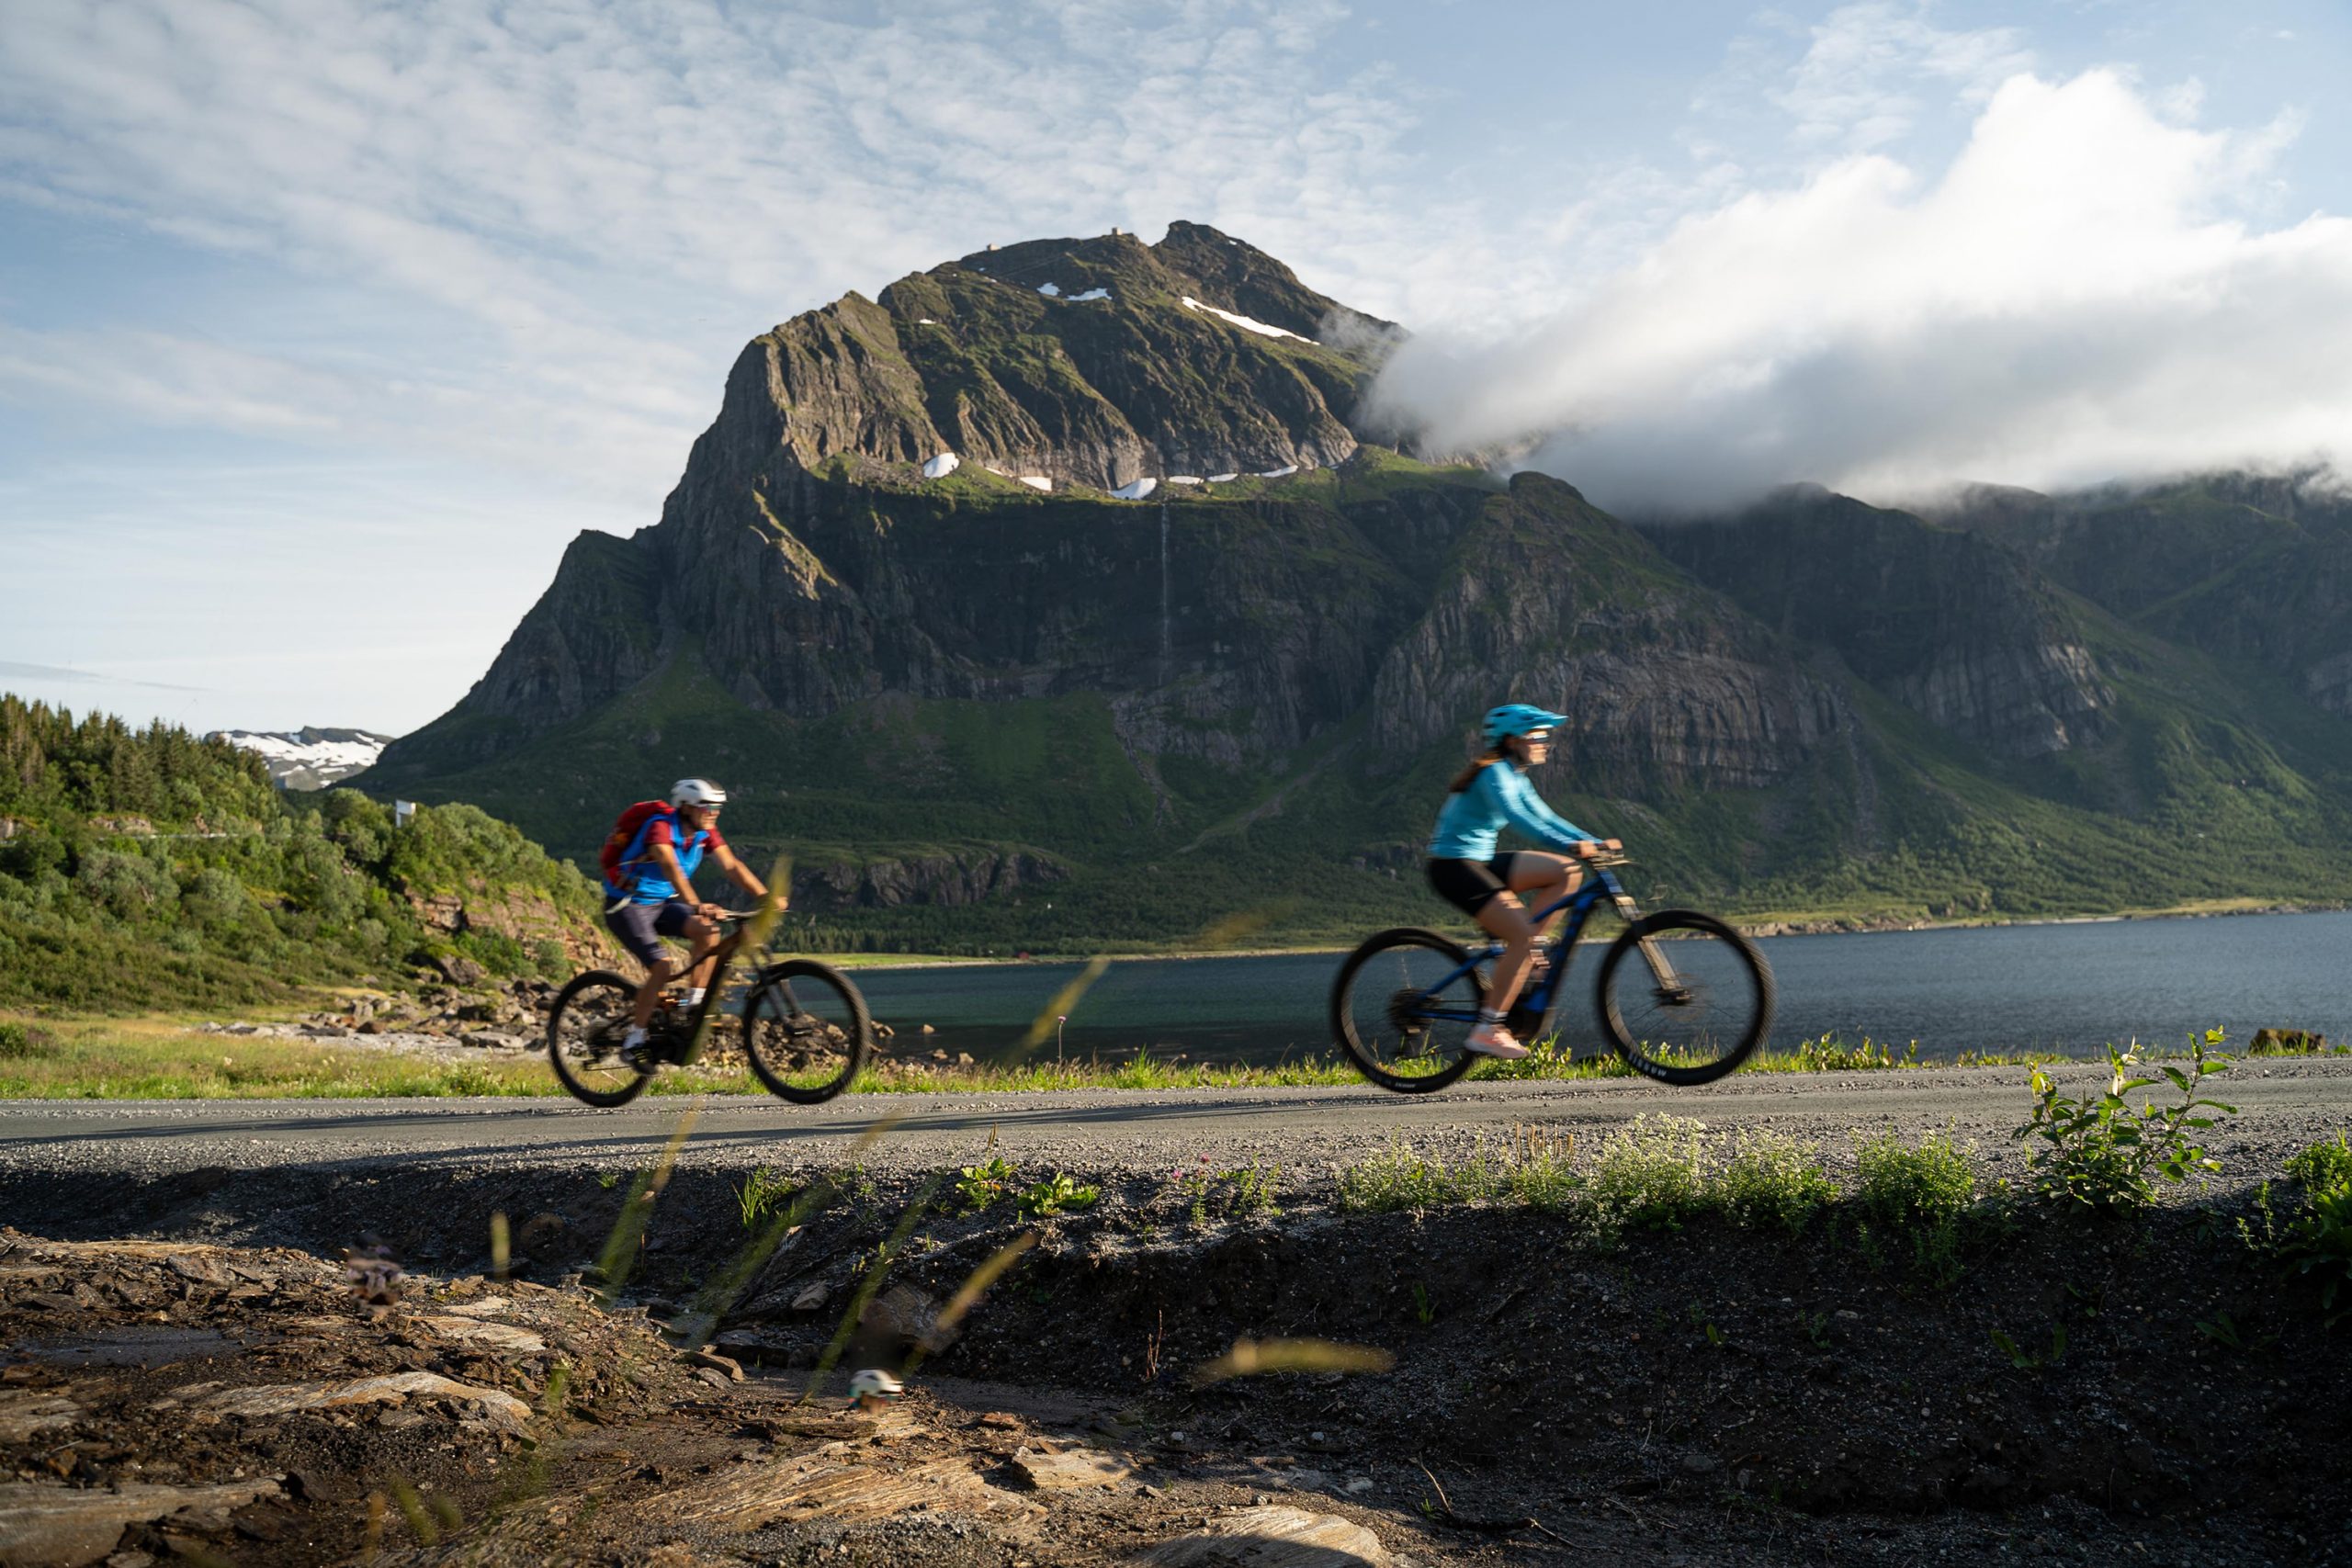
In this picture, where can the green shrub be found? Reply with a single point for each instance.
(23, 1042)
(1649, 1174)
(2097, 1151)
(1401, 1178)
(1901, 1186)
(1534, 1171)
(1055, 1195)
(981, 1185)
(216, 900)
(2318, 1242)
(128, 887)
(1829, 1055)
(1773, 1181)
(2322, 1166)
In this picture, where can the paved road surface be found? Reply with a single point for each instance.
(2285, 1103)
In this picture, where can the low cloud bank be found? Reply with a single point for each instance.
(2072, 302)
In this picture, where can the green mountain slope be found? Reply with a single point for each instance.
(150, 868)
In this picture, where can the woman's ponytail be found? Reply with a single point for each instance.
(1469, 776)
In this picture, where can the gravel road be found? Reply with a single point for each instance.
(2285, 1103)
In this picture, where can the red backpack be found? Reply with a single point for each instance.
(625, 832)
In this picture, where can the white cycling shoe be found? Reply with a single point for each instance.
(1494, 1040)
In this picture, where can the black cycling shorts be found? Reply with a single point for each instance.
(641, 926)
(1467, 885)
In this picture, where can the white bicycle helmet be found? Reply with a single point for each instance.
(696, 792)
(875, 1383)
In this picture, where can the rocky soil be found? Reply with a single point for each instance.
(471, 1013)
(2150, 1393)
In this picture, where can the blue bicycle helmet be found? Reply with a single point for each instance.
(1518, 718)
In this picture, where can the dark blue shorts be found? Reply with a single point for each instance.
(640, 927)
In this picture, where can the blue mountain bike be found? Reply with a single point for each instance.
(1682, 996)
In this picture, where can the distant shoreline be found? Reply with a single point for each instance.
(1760, 930)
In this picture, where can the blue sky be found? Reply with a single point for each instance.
(323, 325)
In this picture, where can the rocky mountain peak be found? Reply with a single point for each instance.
(1098, 362)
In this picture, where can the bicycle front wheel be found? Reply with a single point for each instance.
(1403, 1004)
(585, 1029)
(805, 1031)
(1684, 997)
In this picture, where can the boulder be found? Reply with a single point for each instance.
(1273, 1537)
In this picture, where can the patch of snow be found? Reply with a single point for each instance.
(1247, 324)
(1090, 294)
(1050, 290)
(925, 321)
(1282, 473)
(1184, 478)
(939, 468)
(1223, 478)
(1037, 482)
(1136, 491)
(314, 758)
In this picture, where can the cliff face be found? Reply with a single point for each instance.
(1956, 627)
(1663, 682)
(2251, 567)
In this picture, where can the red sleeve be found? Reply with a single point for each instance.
(658, 831)
(716, 842)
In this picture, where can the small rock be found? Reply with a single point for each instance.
(908, 1314)
(197, 1266)
(710, 1360)
(458, 969)
(714, 1377)
(1271, 1537)
(810, 1298)
(1072, 1467)
(1701, 1464)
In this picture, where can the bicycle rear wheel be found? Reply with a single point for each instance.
(805, 1031)
(585, 1028)
(1402, 1006)
(1684, 997)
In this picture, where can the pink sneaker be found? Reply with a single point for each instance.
(1494, 1040)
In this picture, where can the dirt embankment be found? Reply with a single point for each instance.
(2142, 1392)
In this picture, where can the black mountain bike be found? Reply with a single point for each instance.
(805, 1030)
(1682, 996)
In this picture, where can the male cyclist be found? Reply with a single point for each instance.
(1464, 868)
(649, 895)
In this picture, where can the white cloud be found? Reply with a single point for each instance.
(567, 180)
(2067, 302)
(1854, 87)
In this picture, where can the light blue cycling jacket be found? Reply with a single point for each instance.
(1500, 795)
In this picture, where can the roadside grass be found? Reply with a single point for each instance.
(151, 1059)
(164, 1057)
(1534, 1170)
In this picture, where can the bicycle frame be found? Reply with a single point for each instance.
(1543, 994)
(722, 959)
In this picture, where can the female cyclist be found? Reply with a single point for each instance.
(1466, 872)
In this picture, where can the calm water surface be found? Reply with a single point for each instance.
(2070, 988)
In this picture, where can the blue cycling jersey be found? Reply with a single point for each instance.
(1500, 795)
(642, 880)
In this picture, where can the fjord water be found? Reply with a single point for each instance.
(2068, 989)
